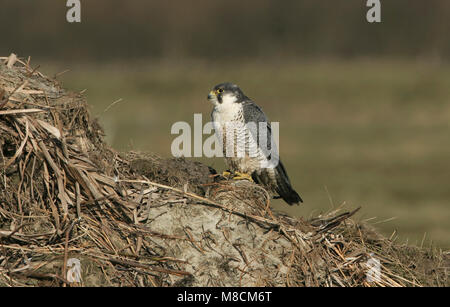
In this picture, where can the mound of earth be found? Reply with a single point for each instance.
(74, 212)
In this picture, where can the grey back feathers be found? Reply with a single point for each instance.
(254, 114)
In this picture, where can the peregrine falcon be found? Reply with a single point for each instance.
(245, 135)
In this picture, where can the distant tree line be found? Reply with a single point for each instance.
(115, 29)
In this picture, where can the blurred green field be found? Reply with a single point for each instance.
(365, 133)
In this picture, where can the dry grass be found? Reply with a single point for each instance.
(65, 194)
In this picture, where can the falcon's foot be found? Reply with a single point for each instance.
(227, 174)
(242, 176)
(237, 176)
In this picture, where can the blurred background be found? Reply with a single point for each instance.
(363, 108)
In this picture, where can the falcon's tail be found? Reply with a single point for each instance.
(284, 188)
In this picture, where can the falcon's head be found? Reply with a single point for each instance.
(226, 93)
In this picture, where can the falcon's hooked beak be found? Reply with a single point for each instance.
(211, 95)
(215, 98)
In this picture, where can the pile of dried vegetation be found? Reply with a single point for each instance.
(134, 219)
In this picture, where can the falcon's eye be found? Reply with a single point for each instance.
(220, 90)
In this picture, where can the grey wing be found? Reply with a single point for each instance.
(276, 176)
(261, 131)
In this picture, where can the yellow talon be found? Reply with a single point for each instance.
(226, 174)
(242, 176)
